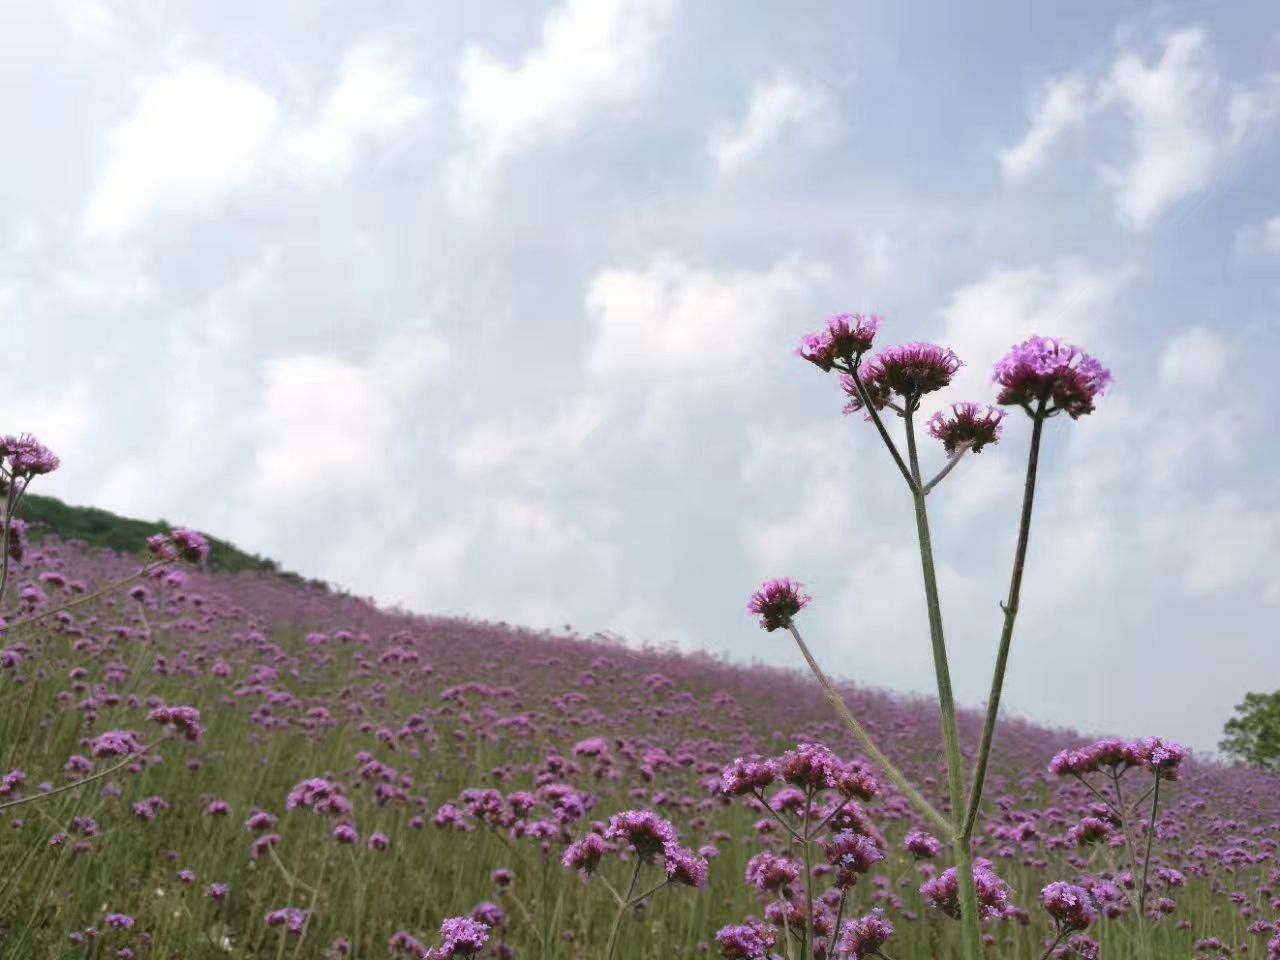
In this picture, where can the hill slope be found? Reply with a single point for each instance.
(102, 528)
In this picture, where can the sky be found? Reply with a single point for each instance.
(489, 309)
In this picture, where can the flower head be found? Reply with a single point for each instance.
(462, 936)
(1162, 757)
(1050, 371)
(968, 425)
(748, 941)
(865, 936)
(191, 546)
(776, 602)
(848, 336)
(684, 866)
(27, 456)
(748, 775)
(921, 845)
(182, 720)
(942, 891)
(646, 832)
(585, 855)
(1070, 906)
(912, 369)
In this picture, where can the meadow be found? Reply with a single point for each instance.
(202, 764)
(406, 715)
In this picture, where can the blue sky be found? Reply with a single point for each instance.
(489, 309)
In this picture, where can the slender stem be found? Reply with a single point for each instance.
(110, 587)
(1146, 859)
(877, 757)
(1062, 935)
(622, 908)
(10, 503)
(912, 482)
(87, 780)
(1124, 820)
(1010, 608)
(807, 949)
(759, 795)
(972, 932)
(835, 929)
(641, 898)
(951, 465)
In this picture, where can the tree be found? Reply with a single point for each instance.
(1253, 737)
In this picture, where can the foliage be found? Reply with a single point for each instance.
(1253, 736)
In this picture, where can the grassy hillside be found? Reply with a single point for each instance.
(101, 528)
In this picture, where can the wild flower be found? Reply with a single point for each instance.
(777, 602)
(1053, 373)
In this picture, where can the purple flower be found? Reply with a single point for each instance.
(116, 743)
(183, 720)
(1162, 757)
(686, 867)
(1048, 370)
(848, 336)
(646, 832)
(942, 891)
(293, 919)
(28, 457)
(749, 775)
(751, 941)
(921, 845)
(345, 833)
(191, 546)
(776, 602)
(912, 369)
(319, 795)
(379, 841)
(216, 891)
(969, 425)
(584, 855)
(865, 936)
(768, 872)
(462, 936)
(161, 547)
(118, 921)
(218, 808)
(1070, 906)
(851, 854)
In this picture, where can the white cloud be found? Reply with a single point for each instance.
(194, 136)
(777, 107)
(1181, 129)
(1194, 358)
(328, 424)
(530, 448)
(1260, 240)
(680, 330)
(816, 465)
(1063, 105)
(372, 101)
(1174, 141)
(592, 55)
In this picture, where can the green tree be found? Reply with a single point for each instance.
(1253, 736)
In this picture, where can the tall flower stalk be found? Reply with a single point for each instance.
(1044, 377)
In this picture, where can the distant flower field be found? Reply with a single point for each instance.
(363, 777)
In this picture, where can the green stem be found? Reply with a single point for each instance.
(807, 948)
(87, 780)
(912, 481)
(1146, 858)
(1010, 607)
(972, 931)
(895, 775)
(623, 906)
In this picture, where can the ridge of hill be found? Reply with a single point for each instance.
(96, 527)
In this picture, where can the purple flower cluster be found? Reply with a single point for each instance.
(847, 337)
(777, 602)
(970, 426)
(1049, 371)
(26, 456)
(1070, 906)
(943, 891)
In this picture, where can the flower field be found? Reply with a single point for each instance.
(361, 777)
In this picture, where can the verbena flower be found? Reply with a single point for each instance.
(969, 425)
(1162, 757)
(182, 720)
(646, 832)
(1050, 371)
(27, 456)
(1070, 906)
(585, 855)
(912, 369)
(942, 891)
(748, 941)
(865, 936)
(190, 545)
(749, 775)
(291, 918)
(776, 602)
(685, 867)
(462, 936)
(848, 336)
